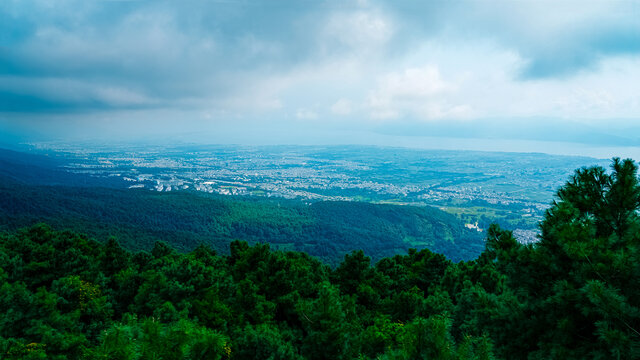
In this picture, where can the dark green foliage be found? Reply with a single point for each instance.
(264, 342)
(151, 339)
(573, 295)
(327, 230)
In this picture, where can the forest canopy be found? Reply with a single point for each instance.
(327, 230)
(572, 295)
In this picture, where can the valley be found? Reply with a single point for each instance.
(480, 188)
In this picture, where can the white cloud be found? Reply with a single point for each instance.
(306, 114)
(342, 107)
(415, 83)
(417, 92)
(480, 81)
(360, 33)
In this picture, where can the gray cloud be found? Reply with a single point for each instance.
(556, 38)
(164, 52)
(169, 53)
(315, 61)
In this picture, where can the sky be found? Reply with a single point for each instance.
(306, 71)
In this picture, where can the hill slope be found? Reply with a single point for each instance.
(327, 230)
(35, 188)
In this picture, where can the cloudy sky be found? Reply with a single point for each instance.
(248, 70)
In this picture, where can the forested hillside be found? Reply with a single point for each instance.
(327, 230)
(33, 169)
(573, 295)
